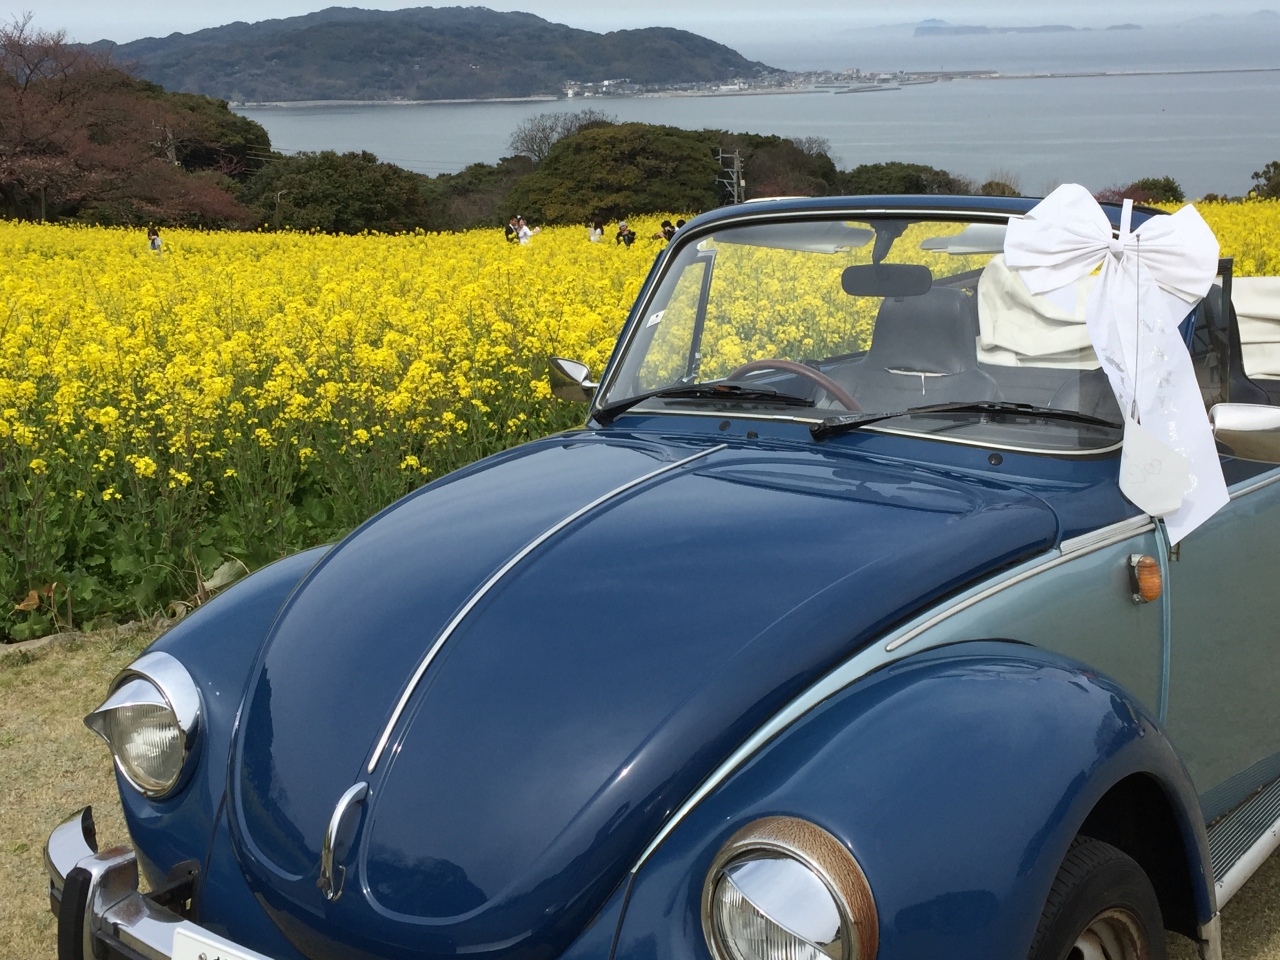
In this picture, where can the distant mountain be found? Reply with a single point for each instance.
(426, 53)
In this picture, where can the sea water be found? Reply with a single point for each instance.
(1208, 130)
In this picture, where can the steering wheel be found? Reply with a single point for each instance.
(790, 366)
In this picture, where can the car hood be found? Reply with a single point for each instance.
(590, 691)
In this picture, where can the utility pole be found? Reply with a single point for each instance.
(279, 194)
(731, 164)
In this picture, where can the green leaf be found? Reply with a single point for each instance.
(225, 575)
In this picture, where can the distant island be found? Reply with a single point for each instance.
(425, 53)
(940, 28)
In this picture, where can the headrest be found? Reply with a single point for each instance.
(927, 334)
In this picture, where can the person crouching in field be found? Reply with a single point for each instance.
(666, 233)
(153, 239)
(626, 236)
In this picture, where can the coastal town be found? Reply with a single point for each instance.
(817, 81)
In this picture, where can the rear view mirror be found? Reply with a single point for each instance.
(1249, 431)
(887, 280)
(569, 379)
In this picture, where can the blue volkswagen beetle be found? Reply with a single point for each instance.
(828, 637)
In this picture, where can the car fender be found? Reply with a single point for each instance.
(958, 777)
(217, 643)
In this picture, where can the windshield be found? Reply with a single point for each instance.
(813, 320)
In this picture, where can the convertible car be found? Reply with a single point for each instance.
(829, 636)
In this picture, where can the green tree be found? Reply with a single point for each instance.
(777, 167)
(337, 193)
(474, 197)
(998, 188)
(618, 171)
(1146, 190)
(1157, 190)
(896, 177)
(1266, 182)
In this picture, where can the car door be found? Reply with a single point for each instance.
(1224, 705)
(1223, 708)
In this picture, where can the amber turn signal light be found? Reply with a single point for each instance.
(1144, 578)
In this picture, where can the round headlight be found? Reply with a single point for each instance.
(149, 722)
(785, 889)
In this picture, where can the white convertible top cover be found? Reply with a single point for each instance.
(1257, 303)
(1019, 329)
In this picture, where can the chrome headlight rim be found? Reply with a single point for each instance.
(826, 857)
(170, 679)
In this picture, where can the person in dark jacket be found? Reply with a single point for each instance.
(513, 229)
(666, 233)
(626, 236)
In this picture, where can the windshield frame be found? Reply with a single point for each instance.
(695, 233)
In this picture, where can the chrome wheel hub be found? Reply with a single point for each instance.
(1111, 935)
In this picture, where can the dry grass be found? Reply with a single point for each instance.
(50, 766)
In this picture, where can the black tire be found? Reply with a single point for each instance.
(1101, 890)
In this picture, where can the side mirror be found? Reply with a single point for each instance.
(1249, 431)
(569, 380)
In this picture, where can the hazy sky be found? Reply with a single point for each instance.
(87, 20)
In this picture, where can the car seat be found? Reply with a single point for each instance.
(923, 351)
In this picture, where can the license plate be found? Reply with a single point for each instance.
(192, 943)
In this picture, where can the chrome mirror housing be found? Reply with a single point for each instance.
(1249, 431)
(569, 379)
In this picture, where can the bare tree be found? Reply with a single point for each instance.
(77, 130)
(812, 146)
(536, 136)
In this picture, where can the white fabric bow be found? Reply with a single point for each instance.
(1151, 278)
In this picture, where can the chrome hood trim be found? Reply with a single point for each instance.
(497, 576)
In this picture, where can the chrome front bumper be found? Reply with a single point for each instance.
(100, 912)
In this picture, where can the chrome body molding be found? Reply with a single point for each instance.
(501, 572)
(1113, 533)
(894, 646)
(1256, 483)
(1070, 550)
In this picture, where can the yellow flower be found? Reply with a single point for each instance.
(142, 466)
(38, 466)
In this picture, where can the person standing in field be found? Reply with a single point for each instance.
(513, 229)
(153, 239)
(666, 233)
(595, 231)
(524, 233)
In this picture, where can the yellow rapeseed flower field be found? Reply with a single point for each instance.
(248, 394)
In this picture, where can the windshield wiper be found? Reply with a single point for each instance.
(701, 391)
(834, 426)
